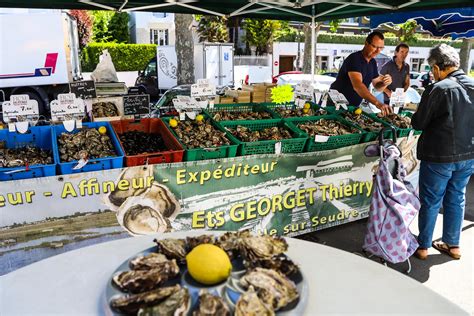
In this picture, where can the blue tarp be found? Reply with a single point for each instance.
(459, 23)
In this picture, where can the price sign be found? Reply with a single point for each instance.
(67, 107)
(397, 99)
(20, 108)
(83, 89)
(304, 89)
(136, 104)
(184, 102)
(299, 103)
(337, 97)
(203, 88)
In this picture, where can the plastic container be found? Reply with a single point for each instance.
(37, 136)
(118, 101)
(401, 132)
(174, 152)
(272, 107)
(333, 142)
(194, 154)
(247, 107)
(291, 145)
(93, 164)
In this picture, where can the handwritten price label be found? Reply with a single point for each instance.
(67, 106)
(304, 89)
(20, 108)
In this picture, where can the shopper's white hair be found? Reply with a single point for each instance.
(444, 56)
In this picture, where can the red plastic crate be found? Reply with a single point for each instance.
(150, 126)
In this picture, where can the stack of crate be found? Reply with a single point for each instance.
(268, 91)
(240, 96)
(223, 99)
(258, 92)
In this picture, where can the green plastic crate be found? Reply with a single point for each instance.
(401, 132)
(333, 142)
(243, 107)
(291, 145)
(194, 154)
(273, 106)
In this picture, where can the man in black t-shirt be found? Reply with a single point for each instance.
(359, 70)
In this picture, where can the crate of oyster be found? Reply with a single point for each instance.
(106, 109)
(147, 141)
(401, 122)
(371, 125)
(93, 147)
(29, 155)
(327, 132)
(261, 137)
(240, 112)
(201, 137)
(288, 110)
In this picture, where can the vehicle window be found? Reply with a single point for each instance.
(413, 76)
(150, 69)
(424, 77)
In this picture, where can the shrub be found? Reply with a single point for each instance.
(126, 57)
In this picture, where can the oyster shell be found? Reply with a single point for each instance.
(147, 262)
(279, 263)
(195, 241)
(116, 198)
(261, 247)
(137, 281)
(249, 304)
(16, 157)
(177, 304)
(173, 248)
(273, 288)
(397, 120)
(131, 303)
(87, 142)
(230, 241)
(104, 109)
(211, 305)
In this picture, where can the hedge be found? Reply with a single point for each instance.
(126, 57)
(389, 41)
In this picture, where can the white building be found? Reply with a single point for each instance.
(152, 28)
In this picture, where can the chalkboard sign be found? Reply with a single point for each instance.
(136, 104)
(83, 89)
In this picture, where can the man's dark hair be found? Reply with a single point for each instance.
(373, 34)
(400, 46)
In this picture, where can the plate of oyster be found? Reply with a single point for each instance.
(263, 281)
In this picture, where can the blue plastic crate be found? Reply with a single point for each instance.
(37, 136)
(93, 164)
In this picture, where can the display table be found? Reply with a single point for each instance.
(339, 282)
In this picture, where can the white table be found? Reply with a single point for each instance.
(339, 282)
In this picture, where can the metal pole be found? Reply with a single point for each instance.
(313, 40)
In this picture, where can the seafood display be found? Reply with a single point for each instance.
(396, 120)
(327, 128)
(299, 112)
(156, 282)
(136, 142)
(88, 143)
(200, 134)
(104, 109)
(240, 115)
(18, 157)
(365, 122)
(248, 135)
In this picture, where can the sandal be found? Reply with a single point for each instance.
(421, 253)
(446, 249)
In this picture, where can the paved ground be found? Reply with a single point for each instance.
(452, 279)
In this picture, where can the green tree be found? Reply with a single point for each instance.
(404, 32)
(84, 26)
(100, 29)
(212, 29)
(118, 28)
(260, 34)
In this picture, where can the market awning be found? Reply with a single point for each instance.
(457, 22)
(295, 10)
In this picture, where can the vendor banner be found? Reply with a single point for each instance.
(285, 195)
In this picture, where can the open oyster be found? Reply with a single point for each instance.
(195, 241)
(130, 304)
(249, 304)
(261, 247)
(137, 281)
(211, 305)
(115, 198)
(147, 262)
(273, 288)
(173, 248)
(230, 241)
(177, 304)
(279, 262)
